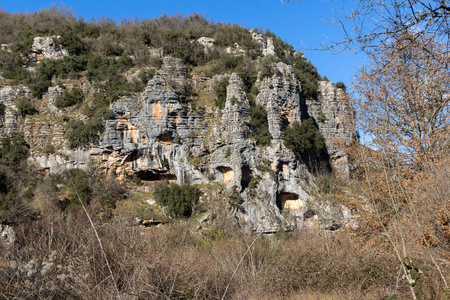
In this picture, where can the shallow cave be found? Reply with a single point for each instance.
(164, 138)
(148, 175)
(227, 174)
(285, 200)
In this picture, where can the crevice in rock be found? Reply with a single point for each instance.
(133, 156)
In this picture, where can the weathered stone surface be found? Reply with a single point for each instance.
(158, 135)
(5, 47)
(47, 48)
(7, 236)
(158, 52)
(270, 48)
(9, 121)
(207, 43)
(267, 46)
(335, 117)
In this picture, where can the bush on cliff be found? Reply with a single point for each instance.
(179, 199)
(221, 92)
(308, 143)
(13, 150)
(70, 98)
(259, 125)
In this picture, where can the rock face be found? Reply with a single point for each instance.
(9, 97)
(159, 135)
(47, 48)
(336, 120)
(267, 45)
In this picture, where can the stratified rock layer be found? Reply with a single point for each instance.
(158, 135)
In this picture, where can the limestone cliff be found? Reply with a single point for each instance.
(159, 134)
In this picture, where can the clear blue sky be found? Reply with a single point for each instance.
(295, 22)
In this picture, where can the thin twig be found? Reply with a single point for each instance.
(99, 241)
(237, 267)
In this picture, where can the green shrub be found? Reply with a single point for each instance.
(40, 86)
(70, 66)
(254, 182)
(221, 92)
(308, 76)
(228, 152)
(72, 43)
(11, 65)
(79, 187)
(136, 180)
(341, 85)
(7, 200)
(70, 98)
(266, 66)
(125, 62)
(234, 198)
(146, 75)
(79, 133)
(229, 62)
(13, 150)
(282, 49)
(179, 199)
(248, 73)
(91, 189)
(259, 125)
(308, 143)
(113, 50)
(321, 117)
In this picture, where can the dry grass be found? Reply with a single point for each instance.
(175, 262)
(57, 256)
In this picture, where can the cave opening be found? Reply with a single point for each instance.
(227, 174)
(164, 138)
(288, 201)
(147, 175)
(247, 176)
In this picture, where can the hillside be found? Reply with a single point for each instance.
(176, 99)
(153, 159)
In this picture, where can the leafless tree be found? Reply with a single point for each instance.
(370, 24)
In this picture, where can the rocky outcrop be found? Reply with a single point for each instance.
(206, 42)
(158, 134)
(335, 117)
(9, 119)
(47, 48)
(7, 236)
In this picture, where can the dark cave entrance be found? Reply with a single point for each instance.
(147, 175)
(247, 176)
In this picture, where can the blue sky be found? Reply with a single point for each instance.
(300, 23)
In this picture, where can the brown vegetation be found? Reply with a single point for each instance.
(60, 257)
